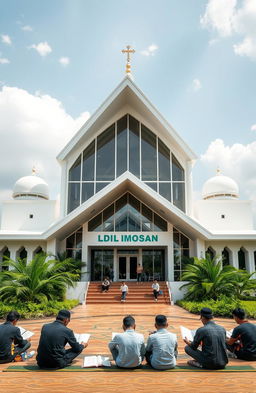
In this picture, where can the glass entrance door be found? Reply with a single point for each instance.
(127, 265)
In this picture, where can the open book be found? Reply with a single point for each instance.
(96, 361)
(26, 334)
(82, 338)
(114, 334)
(187, 333)
(229, 333)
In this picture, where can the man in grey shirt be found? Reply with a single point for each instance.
(128, 348)
(161, 350)
(212, 337)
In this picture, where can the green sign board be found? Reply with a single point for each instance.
(129, 238)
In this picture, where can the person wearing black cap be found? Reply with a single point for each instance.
(51, 352)
(212, 337)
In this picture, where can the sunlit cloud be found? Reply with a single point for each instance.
(43, 48)
(150, 50)
(6, 39)
(64, 61)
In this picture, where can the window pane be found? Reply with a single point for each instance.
(184, 241)
(70, 241)
(96, 265)
(159, 223)
(106, 154)
(176, 239)
(147, 219)
(121, 165)
(89, 162)
(134, 147)
(134, 220)
(108, 219)
(148, 154)
(165, 190)
(178, 192)
(79, 236)
(99, 186)
(152, 185)
(87, 191)
(75, 171)
(95, 224)
(121, 214)
(147, 263)
(177, 170)
(164, 161)
(177, 258)
(176, 275)
(73, 196)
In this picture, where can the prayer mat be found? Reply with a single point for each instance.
(28, 368)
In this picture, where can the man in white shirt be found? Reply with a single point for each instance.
(124, 290)
(156, 289)
(128, 348)
(161, 350)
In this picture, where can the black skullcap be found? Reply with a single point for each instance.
(62, 314)
(206, 312)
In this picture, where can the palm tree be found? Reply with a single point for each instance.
(44, 278)
(207, 279)
(243, 281)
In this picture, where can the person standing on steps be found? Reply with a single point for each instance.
(139, 272)
(156, 289)
(124, 290)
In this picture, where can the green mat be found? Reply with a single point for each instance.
(138, 370)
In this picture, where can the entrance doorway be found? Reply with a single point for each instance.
(127, 265)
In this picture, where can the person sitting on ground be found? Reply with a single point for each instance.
(124, 290)
(156, 289)
(128, 348)
(12, 345)
(51, 352)
(105, 285)
(212, 337)
(161, 349)
(242, 342)
(139, 272)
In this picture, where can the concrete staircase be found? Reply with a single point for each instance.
(138, 293)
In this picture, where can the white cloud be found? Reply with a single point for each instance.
(150, 50)
(43, 48)
(34, 129)
(6, 39)
(27, 28)
(3, 60)
(237, 161)
(234, 19)
(196, 85)
(64, 61)
(253, 127)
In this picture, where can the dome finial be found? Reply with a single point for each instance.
(218, 171)
(33, 170)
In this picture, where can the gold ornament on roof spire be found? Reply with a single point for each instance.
(128, 51)
(33, 170)
(218, 170)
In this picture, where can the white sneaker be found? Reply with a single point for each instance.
(31, 354)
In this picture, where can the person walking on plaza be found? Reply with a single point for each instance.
(124, 290)
(161, 349)
(212, 337)
(139, 272)
(105, 285)
(51, 352)
(156, 289)
(12, 345)
(242, 343)
(128, 348)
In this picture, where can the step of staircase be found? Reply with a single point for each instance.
(138, 293)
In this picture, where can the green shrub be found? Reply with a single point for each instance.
(34, 310)
(222, 307)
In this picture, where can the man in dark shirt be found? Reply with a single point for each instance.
(243, 339)
(212, 338)
(11, 341)
(51, 352)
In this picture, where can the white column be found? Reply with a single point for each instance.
(30, 253)
(51, 247)
(116, 268)
(169, 264)
(250, 261)
(234, 261)
(199, 248)
(86, 270)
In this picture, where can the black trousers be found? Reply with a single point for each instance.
(240, 353)
(203, 360)
(156, 293)
(67, 359)
(105, 287)
(17, 351)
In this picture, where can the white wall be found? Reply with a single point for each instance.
(176, 292)
(16, 215)
(238, 215)
(78, 292)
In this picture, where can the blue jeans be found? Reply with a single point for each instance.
(123, 296)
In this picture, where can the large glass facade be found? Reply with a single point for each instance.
(127, 214)
(180, 253)
(74, 244)
(153, 265)
(126, 145)
(102, 264)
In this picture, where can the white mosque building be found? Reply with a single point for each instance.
(126, 198)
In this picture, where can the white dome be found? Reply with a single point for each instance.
(220, 187)
(30, 187)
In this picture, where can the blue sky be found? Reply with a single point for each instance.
(195, 60)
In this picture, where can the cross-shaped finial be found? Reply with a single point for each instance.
(128, 64)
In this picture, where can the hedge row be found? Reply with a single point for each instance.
(222, 307)
(34, 310)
